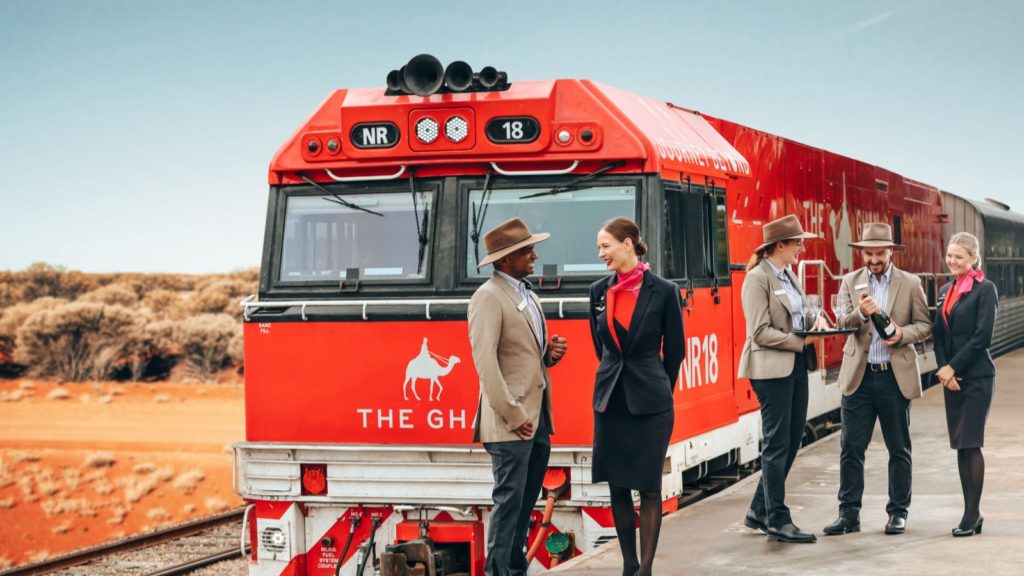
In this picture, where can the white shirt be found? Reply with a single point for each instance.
(879, 352)
(795, 299)
(524, 289)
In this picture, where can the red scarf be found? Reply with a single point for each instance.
(628, 281)
(960, 287)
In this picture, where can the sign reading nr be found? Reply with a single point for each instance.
(374, 135)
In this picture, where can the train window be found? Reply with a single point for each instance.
(572, 218)
(695, 240)
(897, 229)
(324, 238)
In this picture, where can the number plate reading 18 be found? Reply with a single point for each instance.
(513, 130)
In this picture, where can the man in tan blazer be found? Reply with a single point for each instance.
(512, 353)
(879, 376)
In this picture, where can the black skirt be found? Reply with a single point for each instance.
(967, 412)
(629, 450)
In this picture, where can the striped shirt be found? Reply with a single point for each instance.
(524, 289)
(796, 300)
(879, 352)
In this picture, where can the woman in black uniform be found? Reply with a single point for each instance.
(636, 322)
(965, 317)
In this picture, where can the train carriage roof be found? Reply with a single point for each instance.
(603, 124)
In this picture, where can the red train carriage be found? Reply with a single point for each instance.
(360, 389)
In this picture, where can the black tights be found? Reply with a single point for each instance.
(625, 527)
(972, 478)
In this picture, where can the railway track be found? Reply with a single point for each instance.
(200, 543)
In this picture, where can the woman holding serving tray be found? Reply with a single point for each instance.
(776, 360)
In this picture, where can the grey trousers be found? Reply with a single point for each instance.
(518, 468)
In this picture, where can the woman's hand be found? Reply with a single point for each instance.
(821, 324)
(947, 377)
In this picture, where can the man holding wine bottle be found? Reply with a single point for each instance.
(879, 375)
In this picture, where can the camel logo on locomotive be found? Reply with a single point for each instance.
(426, 369)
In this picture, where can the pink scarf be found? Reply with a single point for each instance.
(964, 285)
(628, 281)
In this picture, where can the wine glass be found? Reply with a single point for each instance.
(837, 308)
(812, 309)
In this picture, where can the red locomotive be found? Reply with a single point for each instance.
(360, 388)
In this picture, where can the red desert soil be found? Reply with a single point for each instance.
(110, 459)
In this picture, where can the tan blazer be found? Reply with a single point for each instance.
(513, 370)
(907, 307)
(770, 348)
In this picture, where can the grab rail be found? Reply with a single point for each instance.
(250, 303)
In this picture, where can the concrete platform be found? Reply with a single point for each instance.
(709, 537)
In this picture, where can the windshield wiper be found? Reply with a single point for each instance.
(577, 183)
(478, 215)
(421, 229)
(334, 197)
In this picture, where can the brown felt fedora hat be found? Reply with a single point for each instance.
(785, 228)
(506, 238)
(877, 235)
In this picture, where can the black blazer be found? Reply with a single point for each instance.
(963, 342)
(656, 325)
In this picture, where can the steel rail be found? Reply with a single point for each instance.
(136, 542)
(187, 567)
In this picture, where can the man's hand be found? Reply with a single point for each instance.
(895, 337)
(558, 347)
(525, 430)
(868, 306)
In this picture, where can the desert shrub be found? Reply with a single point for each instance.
(205, 341)
(165, 304)
(121, 294)
(12, 317)
(74, 341)
(220, 295)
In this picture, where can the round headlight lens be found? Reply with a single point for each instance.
(456, 128)
(426, 130)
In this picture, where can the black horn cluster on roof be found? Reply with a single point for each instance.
(424, 75)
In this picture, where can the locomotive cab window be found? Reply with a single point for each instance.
(377, 235)
(572, 217)
(696, 245)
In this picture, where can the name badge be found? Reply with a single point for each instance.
(780, 292)
(522, 305)
(860, 287)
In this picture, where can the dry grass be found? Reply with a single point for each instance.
(117, 516)
(47, 487)
(102, 486)
(135, 487)
(105, 399)
(215, 504)
(27, 385)
(25, 485)
(144, 468)
(72, 478)
(158, 514)
(20, 456)
(58, 394)
(187, 481)
(38, 555)
(56, 506)
(7, 503)
(164, 474)
(99, 460)
(5, 563)
(62, 528)
(12, 396)
(188, 509)
(161, 398)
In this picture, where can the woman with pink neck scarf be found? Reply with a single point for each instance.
(965, 317)
(636, 322)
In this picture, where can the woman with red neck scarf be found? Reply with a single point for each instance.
(965, 317)
(636, 322)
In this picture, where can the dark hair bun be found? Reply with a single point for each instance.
(640, 247)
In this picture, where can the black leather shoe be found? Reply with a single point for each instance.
(976, 529)
(842, 525)
(896, 525)
(756, 521)
(791, 534)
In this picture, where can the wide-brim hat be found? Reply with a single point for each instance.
(785, 228)
(506, 238)
(877, 235)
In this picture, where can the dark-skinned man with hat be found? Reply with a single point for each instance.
(512, 352)
(879, 377)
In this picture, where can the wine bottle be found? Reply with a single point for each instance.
(883, 325)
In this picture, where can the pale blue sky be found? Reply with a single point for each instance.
(135, 135)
